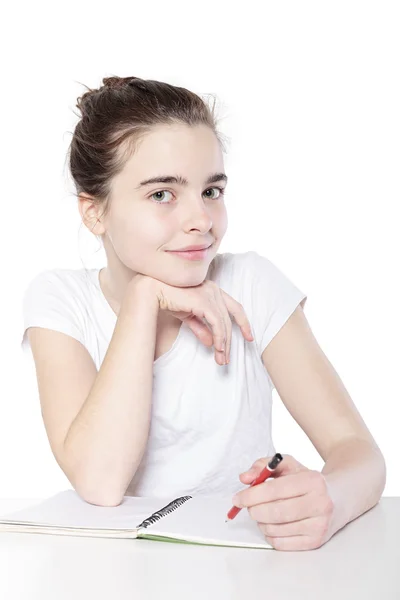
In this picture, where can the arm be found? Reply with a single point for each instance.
(107, 438)
(313, 393)
(355, 473)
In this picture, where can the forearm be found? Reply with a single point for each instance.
(106, 440)
(355, 473)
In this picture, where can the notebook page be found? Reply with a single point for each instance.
(202, 519)
(67, 509)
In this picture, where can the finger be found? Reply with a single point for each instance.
(200, 330)
(254, 471)
(249, 476)
(294, 543)
(217, 324)
(228, 323)
(308, 526)
(274, 489)
(238, 313)
(285, 511)
(286, 466)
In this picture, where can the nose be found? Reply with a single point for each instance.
(197, 216)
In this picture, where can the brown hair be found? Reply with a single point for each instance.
(113, 120)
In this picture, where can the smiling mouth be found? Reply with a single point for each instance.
(191, 254)
(193, 248)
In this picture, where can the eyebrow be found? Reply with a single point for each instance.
(181, 180)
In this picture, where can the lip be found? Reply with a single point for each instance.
(192, 248)
(192, 255)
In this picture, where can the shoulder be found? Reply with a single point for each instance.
(61, 293)
(58, 282)
(267, 293)
(231, 267)
(228, 262)
(58, 299)
(250, 267)
(246, 276)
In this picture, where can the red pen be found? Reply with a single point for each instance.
(265, 473)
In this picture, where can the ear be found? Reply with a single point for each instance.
(90, 211)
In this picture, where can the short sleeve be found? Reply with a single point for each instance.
(49, 303)
(274, 297)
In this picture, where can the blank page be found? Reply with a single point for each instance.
(202, 519)
(67, 509)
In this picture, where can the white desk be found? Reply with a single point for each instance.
(361, 562)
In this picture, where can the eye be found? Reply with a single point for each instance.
(220, 189)
(158, 200)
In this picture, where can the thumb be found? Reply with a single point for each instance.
(286, 466)
(249, 476)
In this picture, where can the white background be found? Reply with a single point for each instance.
(309, 99)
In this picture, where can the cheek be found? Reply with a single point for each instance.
(127, 239)
(146, 227)
(220, 222)
(139, 236)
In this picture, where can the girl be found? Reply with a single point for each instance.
(155, 373)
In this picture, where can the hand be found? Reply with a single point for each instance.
(205, 301)
(292, 507)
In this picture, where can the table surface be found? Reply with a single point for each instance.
(361, 561)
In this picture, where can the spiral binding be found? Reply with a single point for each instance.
(164, 511)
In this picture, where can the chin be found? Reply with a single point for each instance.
(187, 278)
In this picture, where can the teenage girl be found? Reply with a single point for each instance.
(155, 373)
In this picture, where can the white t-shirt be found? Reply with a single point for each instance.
(209, 422)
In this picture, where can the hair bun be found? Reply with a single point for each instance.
(138, 83)
(117, 83)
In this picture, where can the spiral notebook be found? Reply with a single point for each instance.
(191, 519)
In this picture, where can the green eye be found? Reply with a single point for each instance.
(158, 199)
(220, 189)
(156, 196)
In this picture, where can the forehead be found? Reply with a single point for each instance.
(191, 149)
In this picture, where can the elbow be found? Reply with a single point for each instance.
(381, 469)
(93, 487)
(101, 500)
(383, 474)
(98, 495)
(96, 490)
